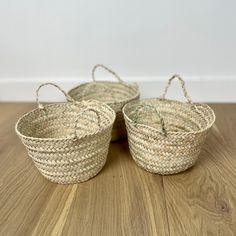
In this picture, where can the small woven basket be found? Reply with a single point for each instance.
(114, 94)
(68, 142)
(166, 136)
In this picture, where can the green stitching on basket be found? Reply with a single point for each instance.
(147, 106)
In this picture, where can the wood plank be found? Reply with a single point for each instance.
(202, 200)
(122, 200)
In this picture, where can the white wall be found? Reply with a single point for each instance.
(61, 40)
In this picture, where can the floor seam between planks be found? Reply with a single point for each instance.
(167, 215)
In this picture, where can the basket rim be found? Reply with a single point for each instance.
(71, 137)
(173, 101)
(134, 85)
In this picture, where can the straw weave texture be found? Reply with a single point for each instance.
(114, 94)
(68, 142)
(166, 136)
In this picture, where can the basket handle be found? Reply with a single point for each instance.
(76, 121)
(162, 122)
(40, 106)
(182, 85)
(107, 69)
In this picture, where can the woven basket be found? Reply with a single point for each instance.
(114, 94)
(68, 142)
(166, 136)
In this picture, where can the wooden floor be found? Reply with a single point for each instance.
(123, 199)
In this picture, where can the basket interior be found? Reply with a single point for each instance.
(177, 116)
(61, 121)
(104, 91)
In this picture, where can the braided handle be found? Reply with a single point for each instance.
(82, 112)
(40, 106)
(182, 85)
(107, 69)
(137, 110)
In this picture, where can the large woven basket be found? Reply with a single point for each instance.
(68, 142)
(166, 136)
(114, 94)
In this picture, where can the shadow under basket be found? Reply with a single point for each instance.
(68, 142)
(114, 94)
(166, 136)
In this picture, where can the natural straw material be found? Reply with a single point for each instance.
(114, 94)
(68, 142)
(166, 136)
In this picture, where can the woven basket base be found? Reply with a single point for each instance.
(186, 125)
(164, 171)
(68, 142)
(76, 180)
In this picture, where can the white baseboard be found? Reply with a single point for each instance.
(201, 89)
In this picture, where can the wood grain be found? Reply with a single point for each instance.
(123, 199)
(202, 200)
